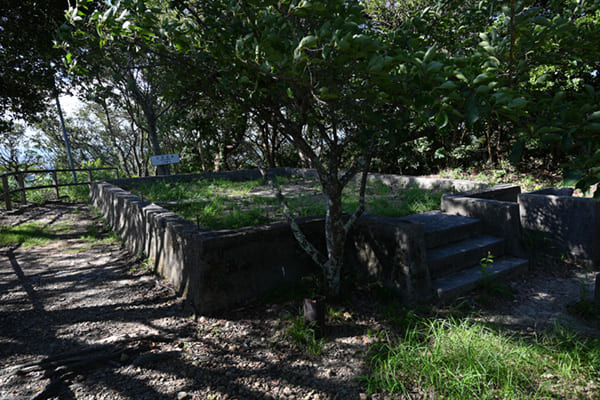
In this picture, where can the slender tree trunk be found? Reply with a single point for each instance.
(335, 236)
(201, 153)
(488, 135)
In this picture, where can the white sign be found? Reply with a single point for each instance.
(164, 159)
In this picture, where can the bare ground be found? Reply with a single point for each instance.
(82, 319)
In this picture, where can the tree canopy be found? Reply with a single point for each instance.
(341, 86)
(28, 59)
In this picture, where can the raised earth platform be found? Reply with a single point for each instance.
(435, 255)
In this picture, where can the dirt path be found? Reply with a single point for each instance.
(80, 293)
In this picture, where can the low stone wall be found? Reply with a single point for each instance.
(498, 210)
(565, 225)
(215, 270)
(428, 183)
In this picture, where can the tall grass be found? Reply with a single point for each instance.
(465, 359)
(223, 204)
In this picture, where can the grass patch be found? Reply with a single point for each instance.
(303, 336)
(30, 234)
(223, 204)
(506, 173)
(37, 234)
(466, 359)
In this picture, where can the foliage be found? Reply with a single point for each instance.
(314, 71)
(465, 359)
(513, 81)
(28, 60)
(15, 151)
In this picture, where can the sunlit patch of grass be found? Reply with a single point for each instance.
(466, 359)
(223, 204)
(27, 235)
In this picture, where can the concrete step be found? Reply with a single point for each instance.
(457, 256)
(451, 287)
(441, 229)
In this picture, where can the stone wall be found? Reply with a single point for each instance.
(498, 210)
(564, 225)
(215, 270)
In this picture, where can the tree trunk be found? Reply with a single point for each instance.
(335, 236)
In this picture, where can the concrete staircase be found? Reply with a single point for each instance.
(455, 246)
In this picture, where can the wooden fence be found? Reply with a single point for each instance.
(22, 188)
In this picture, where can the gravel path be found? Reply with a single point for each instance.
(140, 341)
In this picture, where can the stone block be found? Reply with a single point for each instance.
(496, 210)
(569, 226)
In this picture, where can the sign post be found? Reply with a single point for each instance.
(164, 159)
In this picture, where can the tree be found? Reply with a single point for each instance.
(29, 62)
(16, 154)
(316, 72)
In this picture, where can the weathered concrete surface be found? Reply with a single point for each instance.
(497, 209)
(428, 183)
(392, 252)
(568, 226)
(453, 286)
(443, 228)
(218, 269)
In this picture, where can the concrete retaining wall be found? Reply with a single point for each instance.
(498, 210)
(215, 270)
(568, 226)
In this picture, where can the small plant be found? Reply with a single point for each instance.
(491, 288)
(486, 263)
(143, 265)
(303, 335)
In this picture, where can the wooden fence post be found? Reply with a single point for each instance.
(55, 182)
(6, 189)
(89, 171)
(21, 183)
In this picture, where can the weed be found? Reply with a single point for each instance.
(334, 315)
(486, 263)
(465, 359)
(143, 265)
(302, 334)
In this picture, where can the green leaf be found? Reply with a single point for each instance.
(571, 177)
(462, 77)
(519, 102)
(448, 85)
(481, 78)
(434, 66)
(542, 79)
(429, 54)
(592, 127)
(483, 89)
(472, 110)
(594, 116)
(309, 41)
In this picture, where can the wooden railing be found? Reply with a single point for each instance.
(22, 188)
